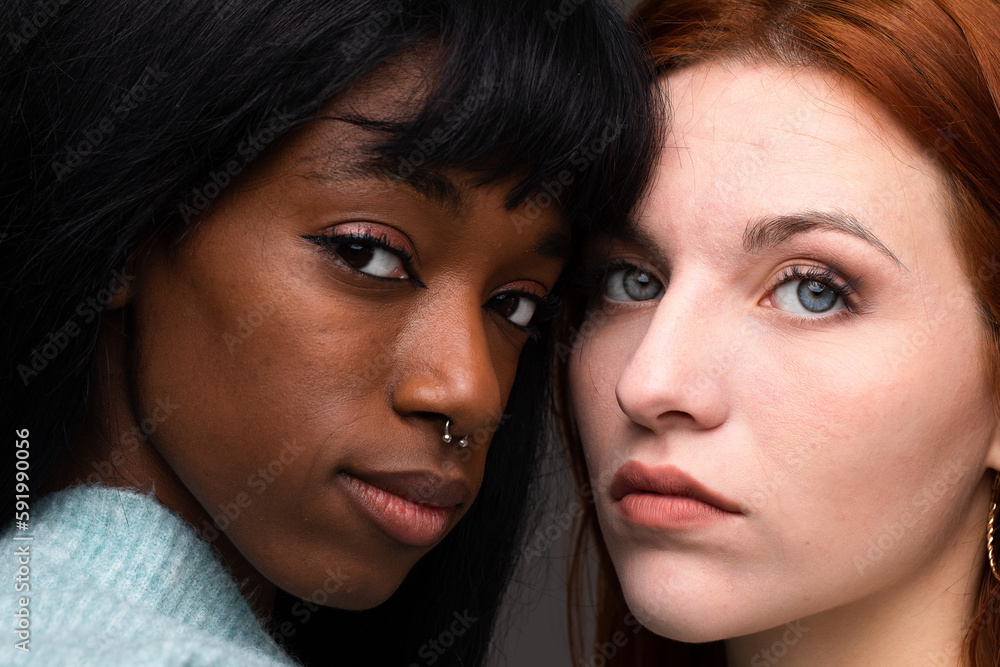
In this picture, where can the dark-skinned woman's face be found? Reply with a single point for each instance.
(315, 329)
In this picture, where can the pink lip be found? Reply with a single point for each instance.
(666, 497)
(414, 508)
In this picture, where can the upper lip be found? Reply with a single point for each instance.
(423, 487)
(635, 477)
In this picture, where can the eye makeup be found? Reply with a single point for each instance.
(369, 250)
(814, 281)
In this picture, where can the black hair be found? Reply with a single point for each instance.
(122, 120)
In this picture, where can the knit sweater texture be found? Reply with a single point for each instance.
(118, 579)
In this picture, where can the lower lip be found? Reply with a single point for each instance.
(405, 521)
(655, 510)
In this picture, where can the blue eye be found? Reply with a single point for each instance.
(814, 292)
(632, 283)
(807, 297)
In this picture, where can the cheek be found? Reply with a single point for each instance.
(864, 454)
(255, 365)
(855, 471)
(274, 391)
(595, 364)
(504, 358)
(251, 367)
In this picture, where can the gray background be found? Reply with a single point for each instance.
(532, 631)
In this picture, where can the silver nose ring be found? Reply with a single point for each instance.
(463, 442)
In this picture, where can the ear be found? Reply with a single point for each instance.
(121, 286)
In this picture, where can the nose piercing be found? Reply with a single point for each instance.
(463, 442)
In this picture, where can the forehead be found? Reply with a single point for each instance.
(341, 155)
(394, 91)
(752, 141)
(345, 144)
(333, 164)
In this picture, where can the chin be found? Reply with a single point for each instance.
(362, 599)
(353, 587)
(687, 602)
(677, 626)
(356, 595)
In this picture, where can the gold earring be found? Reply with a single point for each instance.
(989, 526)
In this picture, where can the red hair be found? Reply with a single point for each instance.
(934, 65)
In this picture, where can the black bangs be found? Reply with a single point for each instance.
(551, 97)
(551, 92)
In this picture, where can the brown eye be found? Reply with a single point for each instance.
(517, 308)
(371, 257)
(356, 254)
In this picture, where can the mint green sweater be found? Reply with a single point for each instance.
(118, 579)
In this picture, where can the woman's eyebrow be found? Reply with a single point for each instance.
(771, 231)
(428, 183)
(633, 233)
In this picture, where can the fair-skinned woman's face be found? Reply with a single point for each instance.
(313, 332)
(800, 340)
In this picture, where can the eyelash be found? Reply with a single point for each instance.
(380, 241)
(546, 307)
(848, 290)
(590, 282)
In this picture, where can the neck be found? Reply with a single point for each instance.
(111, 448)
(923, 620)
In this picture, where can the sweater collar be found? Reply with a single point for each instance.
(147, 555)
